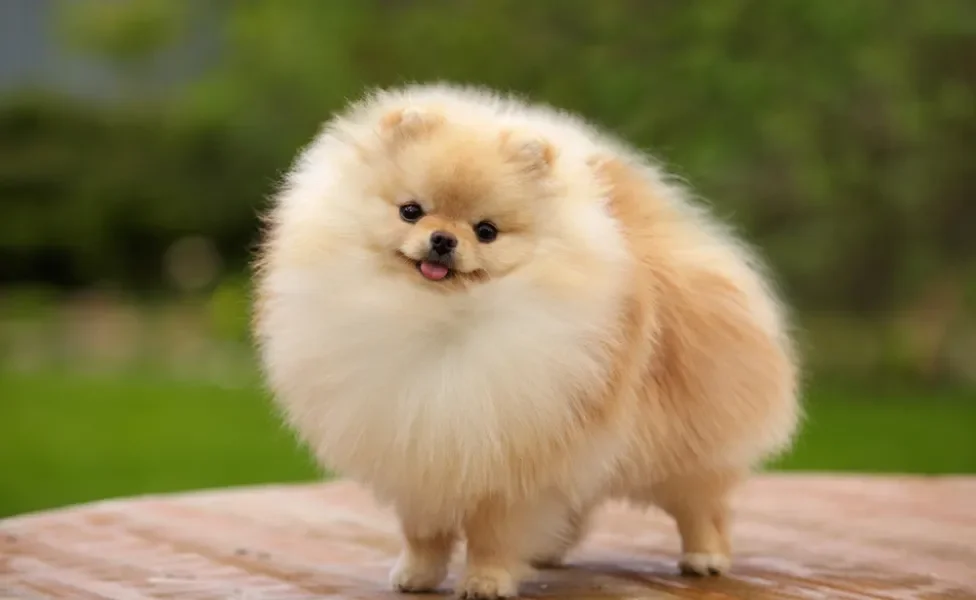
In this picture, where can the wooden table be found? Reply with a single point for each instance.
(803, 537)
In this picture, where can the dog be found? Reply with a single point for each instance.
(497, 316)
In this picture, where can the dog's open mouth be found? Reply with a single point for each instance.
(434, 271)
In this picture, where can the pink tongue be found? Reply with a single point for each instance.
(433, 271)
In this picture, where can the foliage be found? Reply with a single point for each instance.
(89, 197)
(837, 136)
(128, 33)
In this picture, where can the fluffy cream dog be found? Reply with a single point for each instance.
(496, 317)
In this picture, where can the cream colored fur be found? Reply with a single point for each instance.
(613, 342)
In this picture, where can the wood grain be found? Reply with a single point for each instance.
(799, 537)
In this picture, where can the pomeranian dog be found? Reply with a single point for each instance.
(496, 317)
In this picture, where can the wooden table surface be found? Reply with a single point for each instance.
(803, 537)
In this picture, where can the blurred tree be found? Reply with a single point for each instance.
(839, 136)
(130, 35)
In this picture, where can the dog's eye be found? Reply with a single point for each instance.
(411, 212)
(486, 232)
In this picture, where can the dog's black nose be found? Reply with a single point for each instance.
(442, 242)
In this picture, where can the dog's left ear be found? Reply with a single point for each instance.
(409, 122)
(534, 154)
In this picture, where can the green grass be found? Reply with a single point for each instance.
(865, 428)
(66, 439)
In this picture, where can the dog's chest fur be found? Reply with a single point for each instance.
(388, 381)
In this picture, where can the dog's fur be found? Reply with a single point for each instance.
(613, 342)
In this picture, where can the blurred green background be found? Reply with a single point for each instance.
(139, 141)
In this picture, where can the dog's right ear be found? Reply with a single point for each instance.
(409, 122)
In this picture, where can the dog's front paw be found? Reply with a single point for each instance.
(702, 564)
(412, 575)
(487, 584)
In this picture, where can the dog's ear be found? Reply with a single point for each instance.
(534, 154)
(409, 122)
